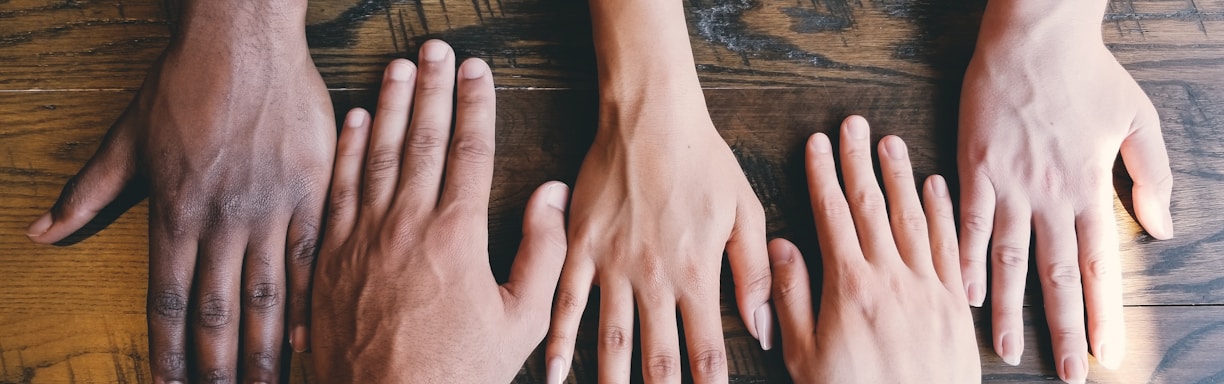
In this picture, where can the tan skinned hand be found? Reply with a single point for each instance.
(891, 309)
(1045, 111)
(404, 291)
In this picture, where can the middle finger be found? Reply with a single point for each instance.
(660, 338)
(215, 317)
(862, 191)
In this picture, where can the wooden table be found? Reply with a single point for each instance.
(774, 71)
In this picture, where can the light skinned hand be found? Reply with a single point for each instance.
(404, 291)
(232, 137)
(891, 308)
(1044, 112)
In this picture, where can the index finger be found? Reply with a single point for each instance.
(834, 227)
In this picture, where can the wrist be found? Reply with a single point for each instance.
(272, 27)
(1026, 26)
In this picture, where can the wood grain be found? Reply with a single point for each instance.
(775, 72)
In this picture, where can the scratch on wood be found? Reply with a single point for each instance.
(420, 8)
(476, 6)
(407, 39)
(445, 14)
(391, 28)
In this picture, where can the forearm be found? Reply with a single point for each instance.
(1012, 23)
(644, 61)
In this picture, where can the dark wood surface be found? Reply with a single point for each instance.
(775, 71)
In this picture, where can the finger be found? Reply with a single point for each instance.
(263, 307)
(1009, 262)
(571, 301)
(977, 205)
(909, 226)
(1148, 164)
(533, 277)
(346, 178)
(97, 184)
(1102, 276)
(792, 295)
(863, 192)
(469, 168)
(1058, 268)
(172, 259)
(703, 331)
(431, 127)
(299, 261)
(215, 315)
(660, 338)
(942, 223)
(834, 226)
(749, 260)
(615, 332)
(387, 136)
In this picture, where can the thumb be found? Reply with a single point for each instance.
(749, 259)
(97, 184)
(1148, 164)
(533, 277)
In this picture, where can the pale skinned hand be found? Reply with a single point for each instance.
(234, 133)
(1044, 112)
(404, 290)
(891, 309)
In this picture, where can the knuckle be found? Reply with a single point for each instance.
(1100, 265)
(304, 251)
(568, 304)
(217, 376)
(662, 366)
(170, 305)
(171, 362)
(976, 222)
(614, 338)
(425, 136)
(1010, 257)
(868, 201)
(855, 288)
(263, 297)
(263, 360)
(789, 292)
(215, 312)
(1064, 276)
(912, 221)
(830, 207)
(471, 149)
(709, 362)
(475, 99)
(382, 160)
(760, 282)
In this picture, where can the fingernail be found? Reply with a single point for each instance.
(895, 147)
(938, 186)
(820, 143)
(1107, 360)
(556, 370)
(355, 118)
(974, 293)
(299, 340)
(764, 325)
(433, 51)
(856, 128)
(1010, 348)
(399, 70)
(1073, 370)
(558, 196)
(473, 69)
(40, 226)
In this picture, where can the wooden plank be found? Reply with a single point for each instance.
(540, 43)
(97, 287)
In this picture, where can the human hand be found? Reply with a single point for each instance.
(1044, 112)
(404, 291)
(651, 217)
(234, 133)
(892, 309)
